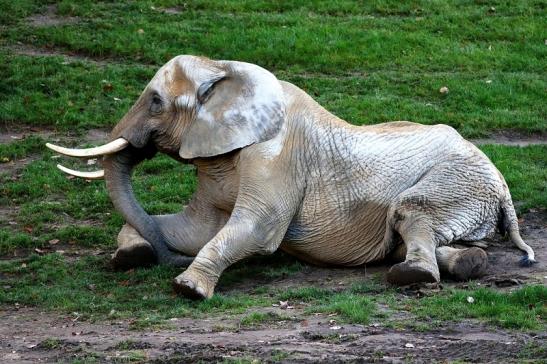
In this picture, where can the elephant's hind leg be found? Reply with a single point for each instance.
(458, 199)
(133, 250)
(460, 264)
(420, 264)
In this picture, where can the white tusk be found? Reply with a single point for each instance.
(109, 148)
(86, 175)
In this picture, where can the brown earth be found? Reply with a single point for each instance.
(68, 56)
(49, 18)
(10, 133)
(512, 138)
(28, 335)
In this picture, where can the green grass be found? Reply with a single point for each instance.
(350, 305)
(433, 35)
(254, 319)
(50, 206)
(352, 308)
(45, 91)
(131, 345)
(30, 145)
(525, 308)
(279, 355)
(367, 62)
(51, 344)
(90, 289)
(525, 171)
(94, 291)
(13, 11)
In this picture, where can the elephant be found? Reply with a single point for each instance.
(276, 171)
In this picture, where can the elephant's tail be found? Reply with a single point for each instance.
(508, 223)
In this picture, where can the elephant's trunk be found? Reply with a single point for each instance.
(120, 157)
(118, 169)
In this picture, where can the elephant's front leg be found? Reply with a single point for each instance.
(185, 233)
(245, 234)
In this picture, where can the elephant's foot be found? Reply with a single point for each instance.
(194, 284)
(133, 257)
(468, 264)
(133, 250)
(413, 271)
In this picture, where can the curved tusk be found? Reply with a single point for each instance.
(87, 175)
(109, 148)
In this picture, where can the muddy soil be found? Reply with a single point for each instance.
(504, 263)
(512, 138)
(10, 134)
(29, 335)
(49, 17)
(68, 56)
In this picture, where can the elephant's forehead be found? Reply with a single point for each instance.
(183, 75)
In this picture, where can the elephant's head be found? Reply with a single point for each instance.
(193, 107)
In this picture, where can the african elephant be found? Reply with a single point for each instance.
(276, 170)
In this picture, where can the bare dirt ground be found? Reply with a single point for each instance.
(512, 138)
(50, 18)
(24, 337)
(69, 57)
(9, 133)
(28, 334)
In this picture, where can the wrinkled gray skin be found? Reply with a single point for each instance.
(276, 170)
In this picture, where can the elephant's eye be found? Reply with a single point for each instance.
(205, 90)
(156, 106)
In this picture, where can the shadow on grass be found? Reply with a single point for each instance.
(260, 269)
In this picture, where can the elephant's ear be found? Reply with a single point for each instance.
(243, 106)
